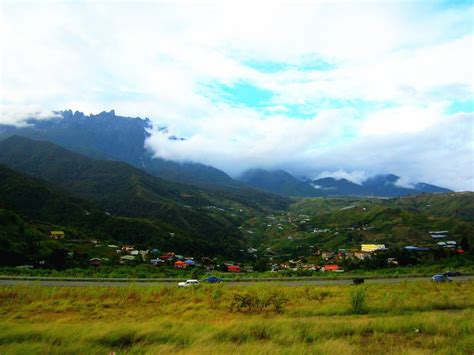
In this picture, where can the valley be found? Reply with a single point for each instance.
(122, 212)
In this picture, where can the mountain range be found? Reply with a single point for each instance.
(109, 137)
(45, 187)
(131, 204)
(281, 182)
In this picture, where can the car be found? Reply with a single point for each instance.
(188, 283)
(358, 280)
(212, 279)
(440, 278)
(452, 273)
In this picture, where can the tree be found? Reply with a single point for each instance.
(57, 258)
(261, 264)
(464, 244)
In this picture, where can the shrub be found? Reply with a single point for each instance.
(319, 296)
(252, 302)
(121, 338)
(358, 303)
(217, 293)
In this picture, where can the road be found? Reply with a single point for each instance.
(318, 282)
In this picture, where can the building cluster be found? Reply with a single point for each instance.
(296, 265)
(438, 243)
(327, 260)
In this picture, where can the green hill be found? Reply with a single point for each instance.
(142, 208)
(108, 136)
(31, 208)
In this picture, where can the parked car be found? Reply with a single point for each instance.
(440, 278)
(452, 273)
(188, 283)
(212, 279)
(358, 281)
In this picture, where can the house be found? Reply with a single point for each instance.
(327, 255)
(392, 261)
(128, 248)
(167, 256)
(362, 255)
(143, 254)
(189, 262)
(180, 264)
(438, 234)
(310, 267)
(57, 234)
(317, 230)
(96, 262)
(349, 254)
(156, 262)
(413, 248)
(127, 259)
(372, 247)
(330, 267)
(233, 268)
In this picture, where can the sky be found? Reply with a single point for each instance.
(330, 88)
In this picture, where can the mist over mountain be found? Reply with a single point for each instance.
(112, 137)
(283, 183)
(108, 136)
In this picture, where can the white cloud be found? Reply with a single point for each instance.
(238, 139)
(356, 176)
(17, 116)
(397, 67)
(440, 154)
(405, 182)
(401, 120)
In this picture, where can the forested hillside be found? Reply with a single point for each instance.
(114, 201)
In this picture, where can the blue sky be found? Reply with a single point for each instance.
(340, 88)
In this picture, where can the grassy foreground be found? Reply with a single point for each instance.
(420, 318)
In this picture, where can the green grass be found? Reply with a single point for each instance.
(358, 303)
(398, 318)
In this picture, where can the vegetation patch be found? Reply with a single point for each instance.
(254, 302)
(214, 319)
(358, 302)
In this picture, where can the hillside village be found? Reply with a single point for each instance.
(291, 241)
(309, 235)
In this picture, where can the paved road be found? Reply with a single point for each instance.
(320, 282)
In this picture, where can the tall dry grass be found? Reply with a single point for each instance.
(402, 318)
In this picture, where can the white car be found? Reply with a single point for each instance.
(188, 283)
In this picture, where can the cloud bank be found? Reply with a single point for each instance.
(352, 88)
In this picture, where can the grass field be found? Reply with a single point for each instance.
(418, 318)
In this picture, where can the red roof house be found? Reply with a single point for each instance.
(331, 267)
(233, 268)
(180, 264)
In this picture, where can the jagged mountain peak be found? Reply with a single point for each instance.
(108, 136)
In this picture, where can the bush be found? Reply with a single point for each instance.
(358, 303)
(252, 302)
